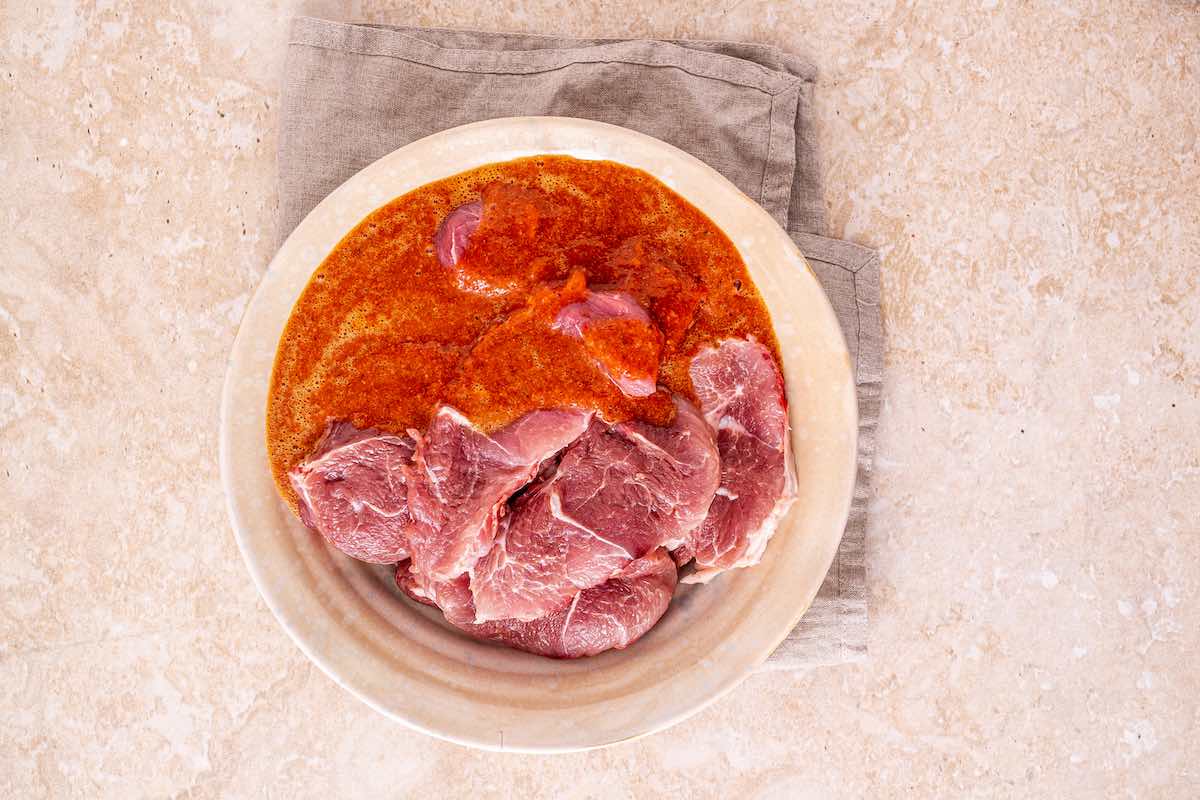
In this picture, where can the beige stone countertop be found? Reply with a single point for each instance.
(1029, 171)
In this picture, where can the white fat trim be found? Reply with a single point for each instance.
(359, 504)
(557, 512)
(562, 635)
(305, 497)
(434, 483)
(728, 423)
(456, 415)
(756, 543)
(641, 438)
(789, 460)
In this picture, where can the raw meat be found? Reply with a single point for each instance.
(742, 395)
(461, 478)
(610, 616)
(619, 336)
(407, 582)
(618, 493)
(672, 296)
(494, 244)
(351, 490)
(455, 231)
(453, 597)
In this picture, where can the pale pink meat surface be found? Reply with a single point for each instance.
(560, 534)
(453, 597)
(351, 490)
(455, 232)
(461, 478)
(741, 393)
(604, 305)
(610, 616)
(617, 493)
(407, 582)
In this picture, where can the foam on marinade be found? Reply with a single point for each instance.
(381, 332)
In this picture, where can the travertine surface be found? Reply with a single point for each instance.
(1030, 173)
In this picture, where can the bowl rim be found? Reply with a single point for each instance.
(229, 406)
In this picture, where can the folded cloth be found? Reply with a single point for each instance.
(353, 93)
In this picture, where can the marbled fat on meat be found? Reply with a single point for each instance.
(610, 616)
(618, 493)
(742, 395)
(461, 478)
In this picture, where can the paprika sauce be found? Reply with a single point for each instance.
(384, 332)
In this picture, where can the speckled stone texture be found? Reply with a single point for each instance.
(1029, 171)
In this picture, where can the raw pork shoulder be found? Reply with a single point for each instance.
(492, 244)
(618, 493)
(742, 395)
(453, 597)
(610, 616)
(552, 535)
(619, 336)
(455, 231)
(351, 490)
(460, 479)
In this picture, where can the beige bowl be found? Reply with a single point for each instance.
(407, 663)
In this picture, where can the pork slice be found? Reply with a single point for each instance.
(461, 478)
(682, 554)
(352, 491)
(610, 616)
(618, 493)
(455, 232)
(407, 582)
(541, 559)
(642, 268)
(619, 336)
(453, 597)
(494, 245)
(742, 395)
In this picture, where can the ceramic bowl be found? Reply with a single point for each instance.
(402, 659)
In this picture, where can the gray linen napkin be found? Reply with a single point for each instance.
(354, 93)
